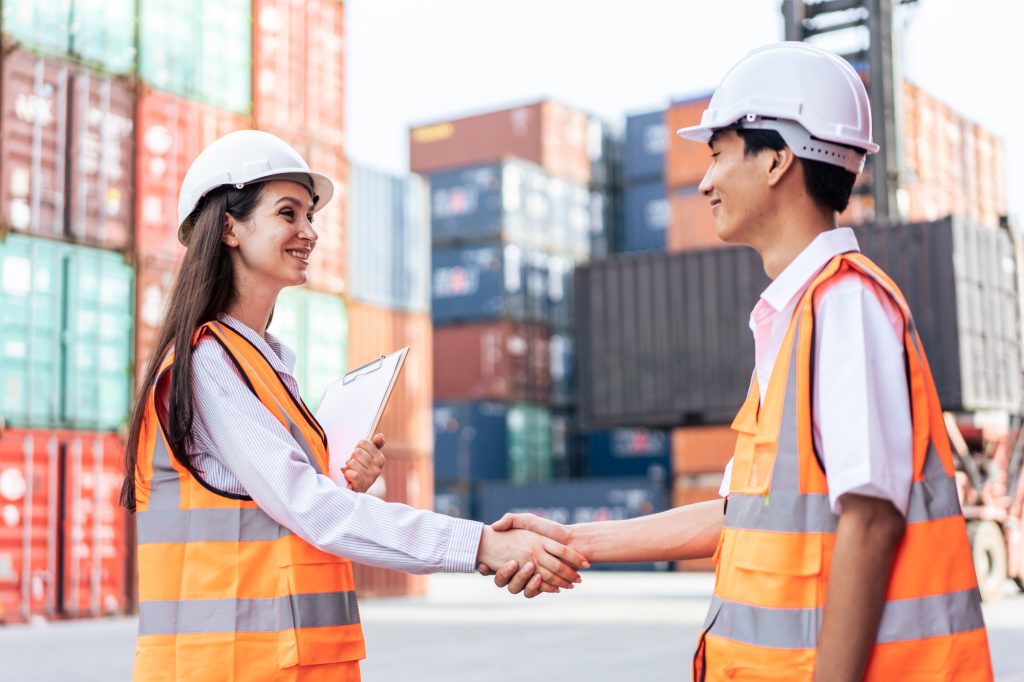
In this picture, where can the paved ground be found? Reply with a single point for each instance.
(616, 626)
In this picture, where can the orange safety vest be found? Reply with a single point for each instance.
(227, 594)
(773, 557)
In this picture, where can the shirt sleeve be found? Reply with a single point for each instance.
(273, 470)
(862, 421)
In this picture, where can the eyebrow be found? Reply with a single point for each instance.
(294, 202)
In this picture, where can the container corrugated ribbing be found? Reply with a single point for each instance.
(64, 548)
(545, 133)
(199, 50)
(67, 335)
(314, 325)
(299, 68)
(68, 151)
(376, 331)
(388, 236)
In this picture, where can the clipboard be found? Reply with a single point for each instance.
(352, 406)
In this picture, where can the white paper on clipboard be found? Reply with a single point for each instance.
(352, 407)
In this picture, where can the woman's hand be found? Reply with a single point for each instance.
(365, 465)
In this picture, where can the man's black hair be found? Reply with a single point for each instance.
(829, 186)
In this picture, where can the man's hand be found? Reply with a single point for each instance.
(524, 576)
(365, 465)
(548, 566)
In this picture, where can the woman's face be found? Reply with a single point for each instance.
(274, 245)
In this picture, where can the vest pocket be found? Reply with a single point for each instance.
(318, 618)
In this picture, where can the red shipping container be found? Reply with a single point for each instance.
(692, 224)
(686, 161)
(55, 114)
(505, 361)
(298, 68)
(546, 133)
(64, 548)
(171, 133)
(702, 449)
(154, 277)
(408, 419)
(408, 477)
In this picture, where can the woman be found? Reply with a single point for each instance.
(244, 542)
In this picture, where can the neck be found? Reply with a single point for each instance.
(788, 232)
(253, 306)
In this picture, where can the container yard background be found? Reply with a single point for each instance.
(512, 205)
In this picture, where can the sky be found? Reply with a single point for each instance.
(413, 61)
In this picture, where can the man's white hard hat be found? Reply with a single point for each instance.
(812, 98)
(240, 158)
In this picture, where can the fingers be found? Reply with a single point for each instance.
(534, 587)
(522, 578)
(379, 440)
(483, 569)
(505, 574)
(504, 523)
(566, 554)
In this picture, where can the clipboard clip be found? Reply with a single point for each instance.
(369, 367)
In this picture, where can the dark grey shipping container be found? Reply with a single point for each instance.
(664, 339)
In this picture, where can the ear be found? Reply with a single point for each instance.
(780, 163)
(228, 235)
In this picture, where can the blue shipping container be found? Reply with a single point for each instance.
(454, 498)
(647, 217)
(576, 502)
(489, 283)
(388, 239)
(629, 452)
(563, 379)
(470, 441)
(646, 143)
(508, 202)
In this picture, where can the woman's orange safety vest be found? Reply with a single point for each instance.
(227, 594)
(773, 558)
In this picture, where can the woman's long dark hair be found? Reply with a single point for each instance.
(203, 288)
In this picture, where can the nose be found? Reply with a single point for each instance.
(308, 233)
(706, 185)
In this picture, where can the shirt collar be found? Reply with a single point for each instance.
(280, 356)
(798, 274)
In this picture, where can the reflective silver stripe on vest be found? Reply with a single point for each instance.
(207, 525)
(202, 616)
(902, 620)
(812, 512)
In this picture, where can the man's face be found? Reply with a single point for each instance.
(737, 186)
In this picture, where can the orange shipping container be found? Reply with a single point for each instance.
(408, 478)
(700, 449)
(171, 133)
(64, 549)
(686, 161)
(691, 223)
(860, 210)
(546, 133)
(408, 419)
(298, 68)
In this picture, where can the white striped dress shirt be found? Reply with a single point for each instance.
(240, 448)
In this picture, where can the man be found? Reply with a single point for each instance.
(841, 551)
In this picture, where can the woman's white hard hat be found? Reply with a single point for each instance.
(240, 158)
(814, 99)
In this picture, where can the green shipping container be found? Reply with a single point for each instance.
(98, 32)
(66, 335)
(315, 326)
(529, 443)
(199, 50)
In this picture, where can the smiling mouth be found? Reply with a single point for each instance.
(715, 203)
(301, 254)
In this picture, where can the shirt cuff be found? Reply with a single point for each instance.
(463, 546)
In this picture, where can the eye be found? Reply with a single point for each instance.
(288, 213)
(309, 217)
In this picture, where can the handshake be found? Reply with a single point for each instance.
(531, 555)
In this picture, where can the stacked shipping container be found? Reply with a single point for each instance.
(67, 140)
(518, 198)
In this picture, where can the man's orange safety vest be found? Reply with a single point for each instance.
(773, 558)
(227, 594)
